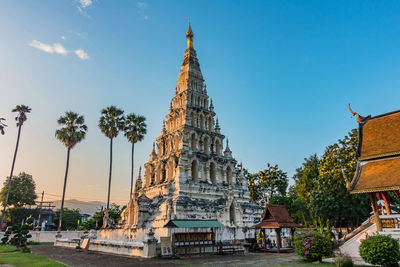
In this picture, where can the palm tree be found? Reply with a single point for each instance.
(2, 125)
(21, 118)
(135, 129)
(111, 122)
(73, 131)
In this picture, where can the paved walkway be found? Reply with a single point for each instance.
(71, 257)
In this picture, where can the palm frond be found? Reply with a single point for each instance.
(111, 121)
(74, 129)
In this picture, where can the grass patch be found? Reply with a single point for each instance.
(34, 243)
(7, 249)
(19, 259)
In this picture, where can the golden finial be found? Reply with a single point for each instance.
(189, 36)
(359, 118)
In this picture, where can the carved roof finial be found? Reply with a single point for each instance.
(227, 152)
(359, 118)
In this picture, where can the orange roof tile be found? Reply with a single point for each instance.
(276, 216)
(380, 136)
(376, 176)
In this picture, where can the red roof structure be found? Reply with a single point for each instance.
(378, 154)
(276, 216)
(378, 167)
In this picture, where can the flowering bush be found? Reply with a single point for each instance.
(312, 245)
(380, 250)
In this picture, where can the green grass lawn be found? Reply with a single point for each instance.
(9, 255)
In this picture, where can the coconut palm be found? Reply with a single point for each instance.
(73, 130)
(2, 125)
(135, 129)
(21, 118)
(111, 122)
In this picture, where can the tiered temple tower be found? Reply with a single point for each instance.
(190, 175)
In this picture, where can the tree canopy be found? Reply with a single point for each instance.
(22, 190)
(267, 183)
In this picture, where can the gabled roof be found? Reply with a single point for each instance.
(276, 216)
(379, 154)
(379, 136)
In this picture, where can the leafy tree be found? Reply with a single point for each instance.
(69, 220)
(306, 177)
(330, 199)
(2, 125)
(22, 191)
(268, 183)
(296, 206)
(21, 118)
(111, 122)
(97, 220)
(17, 215)
(135, 129)
(73, 131)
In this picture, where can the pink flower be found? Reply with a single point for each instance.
(306, 253)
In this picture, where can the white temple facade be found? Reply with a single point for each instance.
(191, 174)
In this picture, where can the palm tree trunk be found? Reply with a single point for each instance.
(63, 194)
(132, 158)
(11, 175)
(109, 179)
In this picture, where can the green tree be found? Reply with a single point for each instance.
(22, 191)
(111, 122)
(306, 177)
(73, 131)
(330, 199)
(97, 219)
(135, 130)
(21, 118)
(69, 219)
(2, 125)
(296, 206)
(267, 183)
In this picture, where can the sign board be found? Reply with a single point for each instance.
(166, 249)
(85, 244)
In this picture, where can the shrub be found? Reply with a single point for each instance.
(312, 245)
(344, 262)
(380, 250)
(20, 236)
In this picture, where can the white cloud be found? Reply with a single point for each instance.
(51, 49)
(85, 3)
(59, 49)
(63, 37)
(142, 5)
(81, 54)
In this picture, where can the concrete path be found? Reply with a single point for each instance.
(73, 258)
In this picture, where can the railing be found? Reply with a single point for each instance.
(390, 222)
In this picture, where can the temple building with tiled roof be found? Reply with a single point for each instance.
(378, 152)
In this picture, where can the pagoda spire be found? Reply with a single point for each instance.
(189, 36)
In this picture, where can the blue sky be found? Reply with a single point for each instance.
(280, 73)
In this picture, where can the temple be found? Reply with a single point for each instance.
(191, 175)
(378, 169)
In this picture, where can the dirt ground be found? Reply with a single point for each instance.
(72, 257)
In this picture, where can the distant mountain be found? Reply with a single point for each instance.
(89, 207)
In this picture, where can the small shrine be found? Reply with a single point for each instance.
(276, 217)
(378, 167)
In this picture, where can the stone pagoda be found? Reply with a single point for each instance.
(190, 174)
